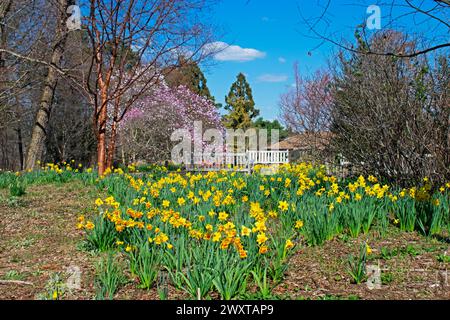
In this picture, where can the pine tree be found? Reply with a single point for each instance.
(240, 104)
(190, 75)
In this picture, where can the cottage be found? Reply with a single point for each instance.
(305, 146)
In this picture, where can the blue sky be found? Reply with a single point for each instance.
(270, 37)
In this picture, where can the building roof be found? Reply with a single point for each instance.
(304, 141)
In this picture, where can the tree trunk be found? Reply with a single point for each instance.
(39, 132)
(123, 155)
(113, 136)
(102, 119)
(20, 146)
(101, 141)
(112, 145)
(101, 154)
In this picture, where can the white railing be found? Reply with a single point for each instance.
(268, 157)
(236, 159)
(244, 161)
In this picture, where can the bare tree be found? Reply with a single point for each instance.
(131, 40)
(389, 115)
(439, 82)
(39, 133)
(408, 16)
(5, 8)
(70, 134)
(25, 30)
(306, 107)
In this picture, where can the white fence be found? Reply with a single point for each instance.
(244, 161)
(268, 157)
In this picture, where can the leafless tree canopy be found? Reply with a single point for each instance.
(131, 40)
(26, 30)
(425, 21)
(392, 115)
(122, 45)
(306, 106)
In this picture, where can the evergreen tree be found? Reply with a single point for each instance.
(240, 105)
(190, 75)
(260, 123)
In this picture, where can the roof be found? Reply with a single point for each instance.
(304, 141)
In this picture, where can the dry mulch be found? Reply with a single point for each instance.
(321, 272)
(40, 239)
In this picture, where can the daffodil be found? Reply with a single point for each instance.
(242, 254)
(245, 231)
(289, 244)
(216, 237)
(261, 238)
(181, 201)
(223, 216)
(368, 249)
(211, 213)
(283, 205)
(272, 214)
(166, 203)
(263, 249)
(89, 225)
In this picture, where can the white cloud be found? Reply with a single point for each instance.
(273, 77)
(281, 60)
(224, 52)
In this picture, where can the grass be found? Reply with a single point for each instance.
(387, 278)
(357, 265)
(13, 275)
(13, 202)
(443, 258)
(17, 188)
(25, 243)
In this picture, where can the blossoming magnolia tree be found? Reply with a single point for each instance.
(145, 133)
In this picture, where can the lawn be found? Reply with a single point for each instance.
(295, 234)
